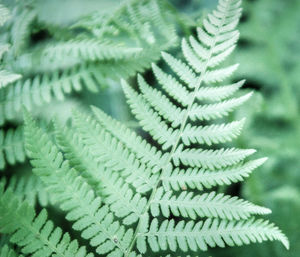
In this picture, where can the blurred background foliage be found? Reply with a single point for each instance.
(269, 57)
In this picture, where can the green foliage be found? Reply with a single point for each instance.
(29, 188)
(93, 156)
(35, 235)
(166, 188)
(74, 195)
(11, 146)
(72, 57)
(56, 67)
(6, 251)
(6, 77)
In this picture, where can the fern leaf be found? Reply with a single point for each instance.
(220, 74)
(73, 193)
(217, 110)
(114, 154)
(113, 55)
(107, 151)
(6, 251)
(11, 147)
(121, 202)
(191, 57)
(29, 188)
(210, 205)
(212, 134)
(7, 78)
(200, 51)
(184, 72)
(221, 47)
(201, 178)
(35, 235)
(3, 49)
(4, 14)
(204, 37)
(161, 103)
(146, 25)
(147, 153)
(211, 159)
(142, 181)
(88, 50)
(212, 29)
(177, 105)
(218, 93)
(171, 85)
(219, 58)
(75, 151)
(108, 56)
(42, 89)
(212, 232)
(117, 174)
(21, 30)
(149, 119)
(222, 38)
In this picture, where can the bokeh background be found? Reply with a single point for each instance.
(269, 57)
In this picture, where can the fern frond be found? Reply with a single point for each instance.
(88, 50)
(210, 205)
(148, 21)
(56, 69)
(122, 202)
(35, 235)
(200, 178)
(108, 172)
(11, 147)
(79, 156)
(113, 155)
(212, 233)
(205, 38)
(76, 152)
(68, 54)
(189, 55)
(6, 251)
(6, 77)
(74, 195)
(29, 188)
(21, 29)
(123, 33)
(43, 88)
(171, 116)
